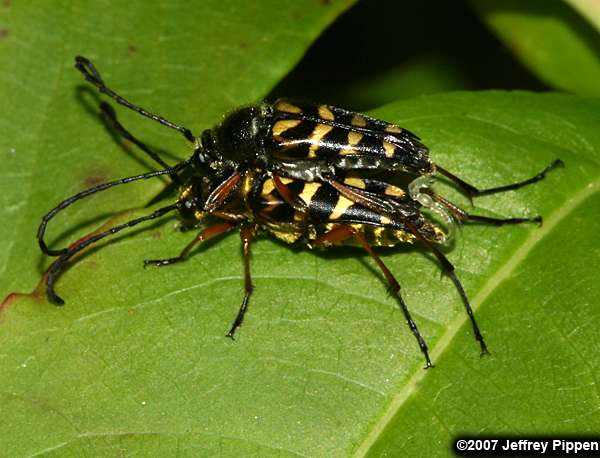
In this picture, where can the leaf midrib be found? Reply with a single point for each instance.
(504, 272)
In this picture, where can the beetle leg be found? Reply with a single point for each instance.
(449, 270)
(294, 201)
(339, 234)
(472, 191)
(361, 197)
(462, 215)
(92, 75)
(219, 196)
(286, 194)
(246, 234)
(203, 236)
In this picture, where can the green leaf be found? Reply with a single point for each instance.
(136, 361)
(550, 38)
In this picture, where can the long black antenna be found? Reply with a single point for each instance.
(101, 187)
(93, 76)
(58, 264)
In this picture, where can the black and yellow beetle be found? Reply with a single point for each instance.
(305, 173)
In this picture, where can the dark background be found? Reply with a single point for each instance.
(382, 50)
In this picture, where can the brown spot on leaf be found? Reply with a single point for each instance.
(325, 2)
(37, 294)
(132, 49)
(6, 3)
(9, 300)
(3, 33)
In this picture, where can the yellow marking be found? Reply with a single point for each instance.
(185, 192)
(393, 191)
(358, 121)
(378, 234)
(389, 149)
(310, 188)
(385, 220)
(439, 234)
(281, 126)
(316, 136)
(268, 187)
(382, 237)
(342, 205)
(198, 215)
(356, 182)
(288, 107)
(393, 129)
(288, 237)
(403, 236)
(378, 231)
(325, 113)
(354, 138)
(247, 184)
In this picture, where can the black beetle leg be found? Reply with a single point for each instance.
(463, 215)
(472, 191)
(246, 234)
(339, 234)
(203, 236)
(448, 269)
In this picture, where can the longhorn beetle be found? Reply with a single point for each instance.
(305, 173)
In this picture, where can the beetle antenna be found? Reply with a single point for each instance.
(93, 76)
(56, 267)
(80, 195)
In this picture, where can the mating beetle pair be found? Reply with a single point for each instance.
(305, 173)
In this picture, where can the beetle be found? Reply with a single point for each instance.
(305, 173)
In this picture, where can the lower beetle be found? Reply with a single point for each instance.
(305, 173)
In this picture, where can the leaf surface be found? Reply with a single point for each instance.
(136, 361)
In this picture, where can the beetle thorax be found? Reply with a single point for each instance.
(236, 142)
